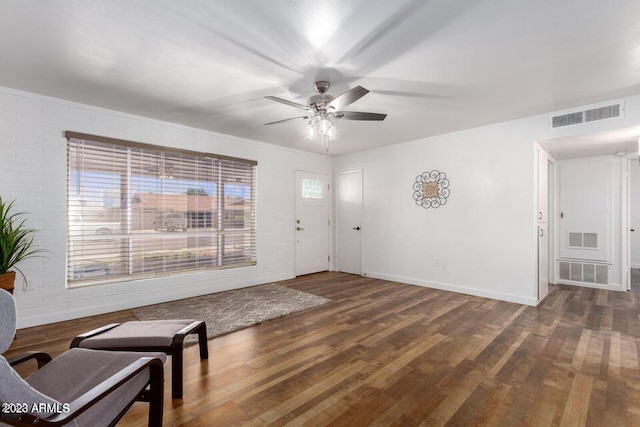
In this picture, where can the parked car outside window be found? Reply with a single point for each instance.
(170, 222)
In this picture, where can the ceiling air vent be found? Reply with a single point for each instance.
(586, 116)
(566, 120)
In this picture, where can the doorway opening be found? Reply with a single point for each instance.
(593, 213)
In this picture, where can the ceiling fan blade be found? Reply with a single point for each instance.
(286, 120)
(359, 115)
(348, 98)
(289, 103)
(410, 94)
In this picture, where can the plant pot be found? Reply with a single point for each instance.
(7, 280)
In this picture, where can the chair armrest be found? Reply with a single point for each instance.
(77, 340)
(178, 338)
(88, 399)
(41, 358)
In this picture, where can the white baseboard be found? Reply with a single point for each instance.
(611, 287)
(635, 265)
(454, 288)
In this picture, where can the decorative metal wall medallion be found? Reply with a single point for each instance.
(431, 189)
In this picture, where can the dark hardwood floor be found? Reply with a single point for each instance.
(385, 353)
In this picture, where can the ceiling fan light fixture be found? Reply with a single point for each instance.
(311, 130)
(323, 108)
(325, 126)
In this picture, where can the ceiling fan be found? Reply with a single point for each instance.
(323, 108)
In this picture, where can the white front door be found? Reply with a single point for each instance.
(349, 222)
(312, 222)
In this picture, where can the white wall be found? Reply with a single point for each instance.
(33, 171)
(486, 233)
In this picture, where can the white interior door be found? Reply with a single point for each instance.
(312, 222)
(543, 260)
(586, 203)
(634, 213)
(543, 224)
(349, 222)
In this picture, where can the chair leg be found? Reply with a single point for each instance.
(203, 341)
(176, 373)
(156, 395)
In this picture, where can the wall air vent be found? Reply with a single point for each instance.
(586, 116)
(608, 112)
(584, 272)
(590, 240)
(583, 240)
(566, 120)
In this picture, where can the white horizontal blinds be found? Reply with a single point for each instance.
(238, 212)
(167, 210)
(96, 210)
(172, 207)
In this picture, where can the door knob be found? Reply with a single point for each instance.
(356, 228)
(299, 228)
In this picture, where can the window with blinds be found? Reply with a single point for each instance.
(137, 210)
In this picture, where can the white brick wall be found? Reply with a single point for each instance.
(33, 171)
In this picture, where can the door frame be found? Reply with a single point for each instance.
(552, 208)
(625, 223)
(337, 217)
(553, 218)
(295, 211)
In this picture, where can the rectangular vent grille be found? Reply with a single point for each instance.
(583, 240)
(591, 115)
(602, 113)
(590, 240)
(566, 120)
(575, 240)
(584, 272)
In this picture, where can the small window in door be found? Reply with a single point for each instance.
(312, 188)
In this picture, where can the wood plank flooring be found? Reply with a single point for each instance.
(390, 354)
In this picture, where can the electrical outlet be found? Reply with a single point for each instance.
(443, 263)
(436, 262)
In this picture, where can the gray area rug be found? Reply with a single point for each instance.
(230, 311)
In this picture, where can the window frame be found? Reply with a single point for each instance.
(250, 232)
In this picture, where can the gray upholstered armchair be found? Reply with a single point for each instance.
(78, 388)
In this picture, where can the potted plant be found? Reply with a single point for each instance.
(15, 244)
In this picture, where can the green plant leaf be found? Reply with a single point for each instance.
(16, 239)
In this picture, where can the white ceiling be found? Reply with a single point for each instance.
(607, 143)
(433, 66)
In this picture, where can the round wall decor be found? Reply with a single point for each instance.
(431, 189)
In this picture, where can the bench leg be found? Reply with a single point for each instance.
(203, 341)
(176, 373)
